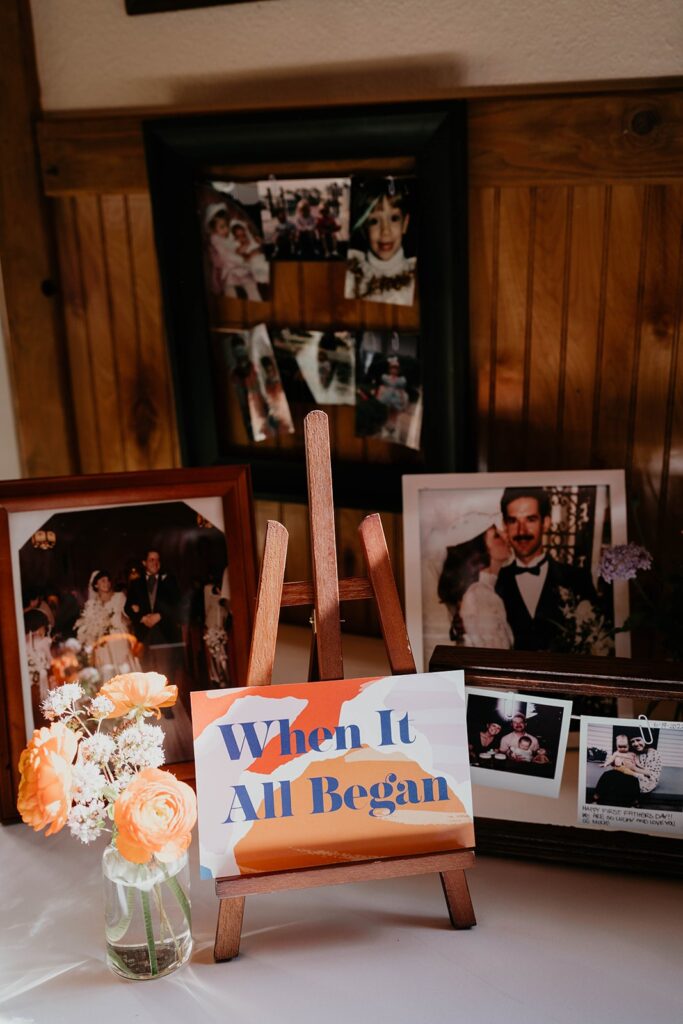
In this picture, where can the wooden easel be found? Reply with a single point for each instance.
(324, 594)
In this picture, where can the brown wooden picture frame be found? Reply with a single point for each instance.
(230, 484)
(573, 676)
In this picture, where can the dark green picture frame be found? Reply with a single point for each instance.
(432, 135)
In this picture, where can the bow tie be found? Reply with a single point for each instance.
(535, 570)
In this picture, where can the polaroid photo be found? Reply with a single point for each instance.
(305, 218)
(517, 741)
(631, 775)
(256, 381)
(325, 360)
(382, 260)
(510, 561)
(389, 388)
(234, 260)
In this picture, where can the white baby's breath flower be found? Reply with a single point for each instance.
(124, 776)
(101, 706)
(87, 821)
(60, 701)
(89, 676)
(87, 782)
(98, 748)
(140, 746)
(72, 644)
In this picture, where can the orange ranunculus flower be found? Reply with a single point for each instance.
(45, 785)
(139, 691)
(154, 816)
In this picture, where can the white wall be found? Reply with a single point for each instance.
(10, 467)
(92, 55)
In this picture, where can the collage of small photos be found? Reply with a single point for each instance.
(367, 225)
(630, 770)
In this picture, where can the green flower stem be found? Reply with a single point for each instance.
(149, 932)
(116, 933)
(122, 966)
(176, 889)
(163, 919)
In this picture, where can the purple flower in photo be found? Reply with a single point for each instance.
(623, 562)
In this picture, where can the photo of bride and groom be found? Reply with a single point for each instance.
(512, 566)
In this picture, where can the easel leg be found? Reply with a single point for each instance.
(228, 928)
(457, 893)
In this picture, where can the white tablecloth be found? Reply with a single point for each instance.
(553, 945)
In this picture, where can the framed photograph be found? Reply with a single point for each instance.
(517, 741)
(109, 574)
(510, 561)
(317, 367)
(163, 6)
(526, 826)
(389, 401)
(382, 258)
(268, 218)
(305, 218)
(234, 256)
(631, 775)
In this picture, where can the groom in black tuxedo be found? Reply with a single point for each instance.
(535, 586)
(153, 606)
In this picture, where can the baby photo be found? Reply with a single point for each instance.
(631, 774)
(517, 741)
(235, 264)
(389, 388)
(256, 380)
(305, 219)
(382, 259)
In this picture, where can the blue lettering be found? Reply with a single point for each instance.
(331, 785)
(248, 735)
(352, 794)
(340, 735)
(428, 786)
(315, 743)
(243, 800)
(386, 738)
(380, 793)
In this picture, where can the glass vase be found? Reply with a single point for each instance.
(148, 925)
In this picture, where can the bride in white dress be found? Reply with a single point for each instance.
(105, 627)
(467, 586)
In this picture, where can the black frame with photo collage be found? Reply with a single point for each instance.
(428, 137)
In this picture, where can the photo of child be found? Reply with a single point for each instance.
(306, 219)
(256, 382)
(631, 774)
(381, 261)
(389, 388)
(235, 264)
(517, 741)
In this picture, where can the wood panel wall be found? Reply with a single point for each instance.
(576, 278)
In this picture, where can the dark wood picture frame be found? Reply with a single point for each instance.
(164, 6)
(231, 484)
(428, 137)
(574, 676)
